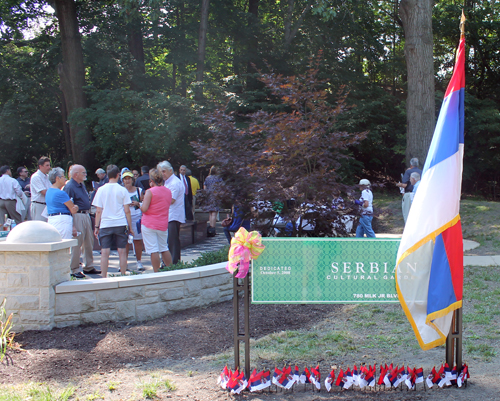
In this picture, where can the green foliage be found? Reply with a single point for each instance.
(132, 128)
(6, 334)
(30, 119)
(206, 258)
(290, 151)
(142, 56)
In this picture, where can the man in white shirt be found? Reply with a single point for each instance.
(9, 190)
(112, 219)
(176, 212)
(39, 185)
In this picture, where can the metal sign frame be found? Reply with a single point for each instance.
(241, 329)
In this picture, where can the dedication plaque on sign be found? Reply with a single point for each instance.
(325, 270)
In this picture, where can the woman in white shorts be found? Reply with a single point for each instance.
(154, 222)
(135, 213)
(60, 207)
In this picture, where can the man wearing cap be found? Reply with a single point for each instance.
(39, 185)
(9, 191)
(103, 177)
(76, 190)
(366, 203)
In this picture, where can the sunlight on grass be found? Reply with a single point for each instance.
(151, 388)
(485, 351)
(112, 386)
(36, 392)
(96, 395)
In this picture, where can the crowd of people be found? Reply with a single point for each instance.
(132, 209)
(143, 210)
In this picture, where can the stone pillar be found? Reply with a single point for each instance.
(33, 260)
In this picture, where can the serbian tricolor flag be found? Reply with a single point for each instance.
(430, 257)
(315, 377)
(330, 380)
(265, 378)
(254, 382)
(419, 375)
(304, 377)
(463, 376)
(340, 377)
(224, 377)
(370, 376)
(276, 376)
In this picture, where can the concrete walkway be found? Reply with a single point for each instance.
(188, 255)
(193, 252)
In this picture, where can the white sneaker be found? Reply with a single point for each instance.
(140, 267)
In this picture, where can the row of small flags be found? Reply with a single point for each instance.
(389, 376)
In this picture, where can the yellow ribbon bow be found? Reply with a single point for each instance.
(244, 246)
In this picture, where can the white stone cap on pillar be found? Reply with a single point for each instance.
(35, 236)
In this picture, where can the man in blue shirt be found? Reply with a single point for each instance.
(76, 190)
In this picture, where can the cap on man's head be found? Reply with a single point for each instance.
(364, 181)
(100, 171)
(127, 174)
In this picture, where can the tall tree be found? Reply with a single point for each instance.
(72, 74)
(416, 16)
(202, 39)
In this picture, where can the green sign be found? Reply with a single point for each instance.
(325, 270)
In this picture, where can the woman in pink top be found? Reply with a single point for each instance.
(154, 222)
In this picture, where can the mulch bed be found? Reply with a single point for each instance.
(86, 350)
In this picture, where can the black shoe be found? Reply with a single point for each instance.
(93, 271)
(78, 275)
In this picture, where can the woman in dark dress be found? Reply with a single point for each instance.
(211, 186)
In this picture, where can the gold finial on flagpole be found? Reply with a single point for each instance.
(462, 25)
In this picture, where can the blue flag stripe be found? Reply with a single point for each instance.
(450, 123)
(441, 292)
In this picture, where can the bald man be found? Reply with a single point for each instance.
(76, 190)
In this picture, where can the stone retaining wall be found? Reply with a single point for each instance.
(28, 274)
(141, 297)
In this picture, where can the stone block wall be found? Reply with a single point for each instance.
(27, 280)
(35, 280)
(142, 297)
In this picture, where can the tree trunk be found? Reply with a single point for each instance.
(136, 48)
(416, 16)
(253, 43)
(290, 32)
(72, 74)
(202, 39)
(65, 126)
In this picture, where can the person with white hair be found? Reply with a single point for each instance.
(415, 182)
(103, 178)
(60, 207)
(176, 213)
(77, 191)
(408, 187)
(366, 203)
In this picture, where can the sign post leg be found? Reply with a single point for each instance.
(454, 341)
(238, 336)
